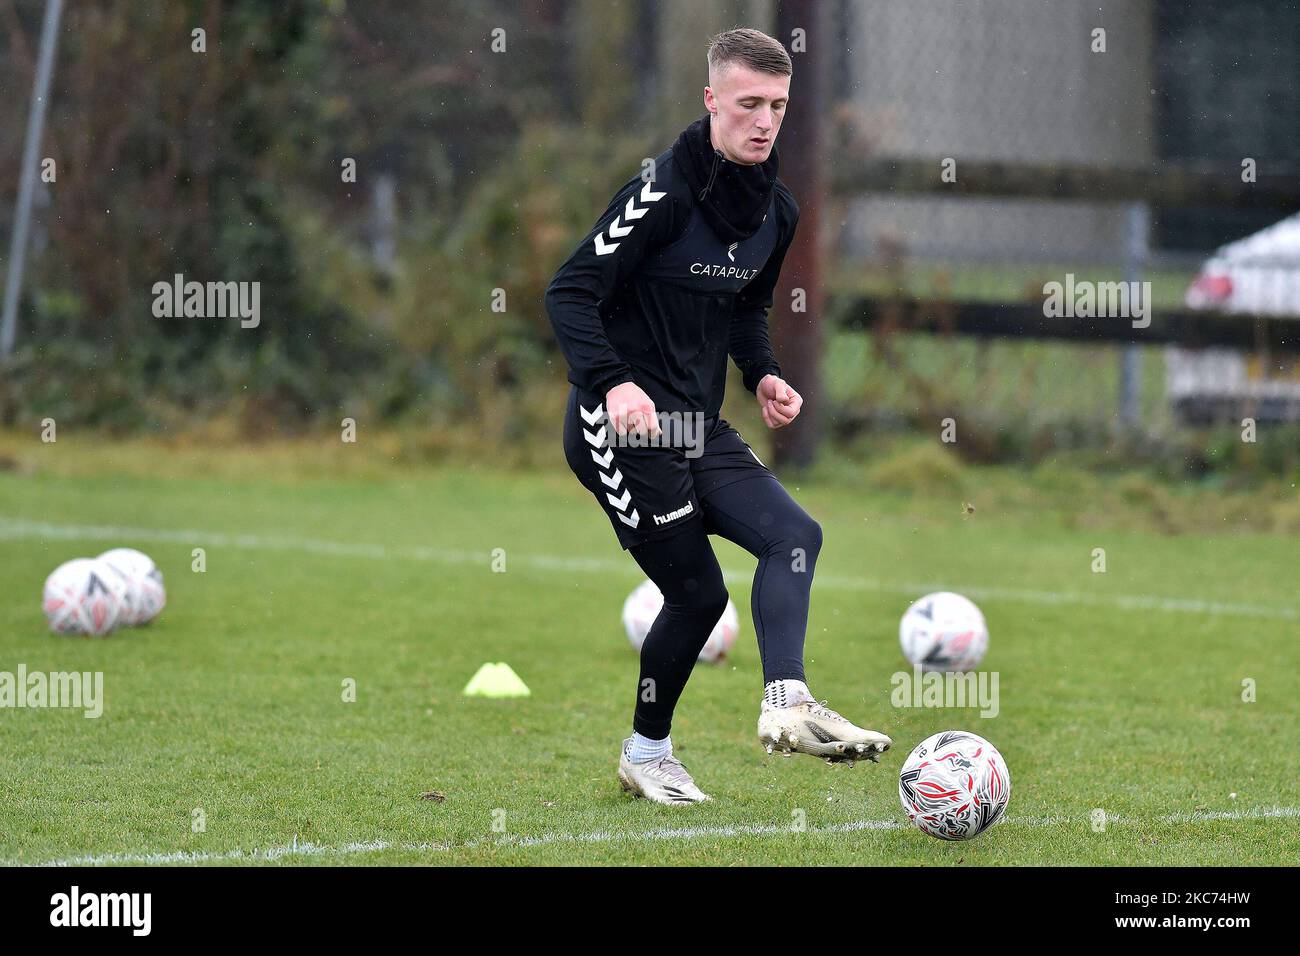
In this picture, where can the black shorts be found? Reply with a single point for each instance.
(653, 490)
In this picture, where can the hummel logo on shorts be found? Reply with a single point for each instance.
(674, 515)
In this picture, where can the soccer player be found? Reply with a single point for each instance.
(676, 275)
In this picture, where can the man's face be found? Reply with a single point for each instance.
(747, 108)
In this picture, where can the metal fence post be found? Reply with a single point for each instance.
(27, 174)
(1137, 228)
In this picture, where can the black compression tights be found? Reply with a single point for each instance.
(760, 516)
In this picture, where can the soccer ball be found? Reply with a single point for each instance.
(642, 607)
(944, 632)
(83, 596)
(954, 785)
(130, 593)
(145, 594)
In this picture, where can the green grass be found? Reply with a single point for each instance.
(999, 282)
(1023, 383)
(232, 701)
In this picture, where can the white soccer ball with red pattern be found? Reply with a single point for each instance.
(83, 596)
(146, 594)
(944, 632)
(642, 607)
(954, 785)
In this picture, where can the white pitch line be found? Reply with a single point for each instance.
(18, 528)
(296, 849)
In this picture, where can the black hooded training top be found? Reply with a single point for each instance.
(677, 274)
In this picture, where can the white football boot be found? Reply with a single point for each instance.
(808, 727)
(662, 781)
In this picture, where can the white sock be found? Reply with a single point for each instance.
(786, 693)
(642, 749)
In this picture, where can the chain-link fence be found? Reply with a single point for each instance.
(483, 137)
(1041, 83)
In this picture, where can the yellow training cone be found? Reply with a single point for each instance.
(496, 680)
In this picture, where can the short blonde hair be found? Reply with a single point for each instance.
(754, 48)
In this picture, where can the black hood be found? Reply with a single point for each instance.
(733, 198)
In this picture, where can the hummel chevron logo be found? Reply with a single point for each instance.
(631, 212)
(597, 439)
(648, 195)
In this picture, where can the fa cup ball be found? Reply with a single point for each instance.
(954, 785)
(943, 632)
(146, 594)
(642, 607)
(83, 596)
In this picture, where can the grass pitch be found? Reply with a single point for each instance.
(1120, 691)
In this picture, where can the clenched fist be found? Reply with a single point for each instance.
(780, 403)
(631, 410)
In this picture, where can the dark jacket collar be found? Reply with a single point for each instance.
(733, 198)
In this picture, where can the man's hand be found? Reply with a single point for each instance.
(780, 403)
(630, 409)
